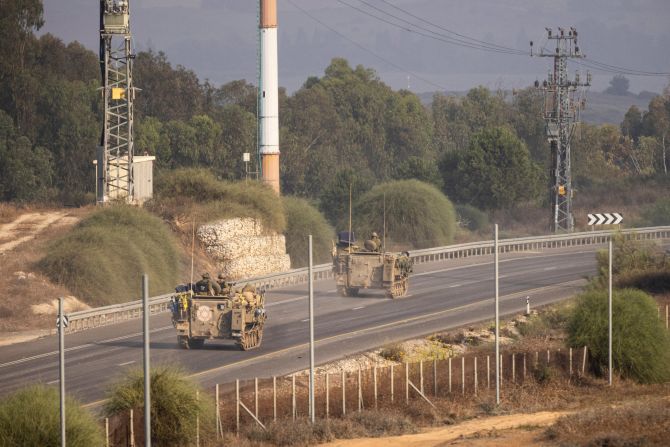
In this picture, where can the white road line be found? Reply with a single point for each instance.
(127, 363)
(53, 382)
(453, 285)
(356, 308)
(305, 320)
(76, 348)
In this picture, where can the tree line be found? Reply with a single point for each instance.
(346, 127)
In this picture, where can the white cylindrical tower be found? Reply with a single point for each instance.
(268, 92)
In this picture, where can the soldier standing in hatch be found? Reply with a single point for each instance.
(207, 286)
(224, 284)
(374, 237)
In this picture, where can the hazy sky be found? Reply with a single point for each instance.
(218, 38)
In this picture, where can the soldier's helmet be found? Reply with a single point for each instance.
(222, 276)
(205, 275)
(374, 234)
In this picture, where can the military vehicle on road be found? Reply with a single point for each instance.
(369, 268)
(200, 314)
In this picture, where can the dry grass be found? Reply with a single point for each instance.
(18, 292)
(8, 212)
(642, 423)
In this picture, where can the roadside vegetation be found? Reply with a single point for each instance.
(304, 219)
(102, 259)
(417, 214)
(178, 406)
(31, 417)
(195, 194)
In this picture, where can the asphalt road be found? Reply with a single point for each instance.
(442, 295)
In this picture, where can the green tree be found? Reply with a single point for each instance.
(420, 169)
(26, 172)
(334, 198)
(304, 219)
(619, 85)
(418, 215)
(495, 172)
(631, 126)
(640, 343)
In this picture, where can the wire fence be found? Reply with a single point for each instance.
(260, 401)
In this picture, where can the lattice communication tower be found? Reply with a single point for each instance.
(115, 179)
(563, 101)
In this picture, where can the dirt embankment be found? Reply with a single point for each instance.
(27, 297)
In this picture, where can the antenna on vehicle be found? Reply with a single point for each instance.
(384, 228)
(190, 284)
(350, 216)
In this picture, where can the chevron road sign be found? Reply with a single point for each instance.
(66, 321)
(605, 219)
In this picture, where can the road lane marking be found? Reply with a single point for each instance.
(370, 329)
(127, 363)
(53, 382)
(360, 307)
(76, 348)
(305, 320)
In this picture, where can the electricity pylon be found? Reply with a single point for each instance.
(115, 179)
(561, 113)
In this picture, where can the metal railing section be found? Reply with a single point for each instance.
(118, 313)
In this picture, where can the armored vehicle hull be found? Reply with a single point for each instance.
(355, 270)
(236, 315)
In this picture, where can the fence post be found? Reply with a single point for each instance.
(327, 394)
(237, 408)
(344, 393)
(106, 432)
(406, 383)
(488, 372)
(392, 382)
(584, 361)
(293, 396)
(537, 359)
(502, 376)
(421, 375)
(374, 379)
(219, 429)
(132, 430)
(548, 358)
(274, 398)
(513, 368)
(255, 397)
(360, 392)
(524, 366)
(435, 377)
(570, 362)
(463, 374)
(450, 374)
(197, 422)
(475, 376)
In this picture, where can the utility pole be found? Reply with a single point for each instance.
(115, 178)
(561, 113)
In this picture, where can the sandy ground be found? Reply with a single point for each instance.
(516, 429)
(26, 296)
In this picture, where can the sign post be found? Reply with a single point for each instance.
(312, 413)
(608, 219)
(495, 261)
(61, 323)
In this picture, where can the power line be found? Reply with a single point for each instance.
(434, 35)
(483, 42)
(367, 50)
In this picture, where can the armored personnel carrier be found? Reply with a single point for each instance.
(200, 314)
(369, 268)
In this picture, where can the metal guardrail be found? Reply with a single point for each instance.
(117, 313)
